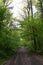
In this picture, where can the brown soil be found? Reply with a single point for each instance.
(23, 57)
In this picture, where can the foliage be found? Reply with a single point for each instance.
(12, 37)
(9, 38)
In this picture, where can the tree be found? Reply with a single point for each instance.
(9, 38)
(41, 8)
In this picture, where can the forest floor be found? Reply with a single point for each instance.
(23, 57)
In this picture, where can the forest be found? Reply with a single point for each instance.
(28, 31)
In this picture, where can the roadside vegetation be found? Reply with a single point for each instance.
(30, 30)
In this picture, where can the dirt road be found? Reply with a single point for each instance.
(23, 57)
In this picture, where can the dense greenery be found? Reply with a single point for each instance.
(28, 32)
(9, 36)
(32, 26)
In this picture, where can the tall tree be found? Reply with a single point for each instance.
(32, 19)
(41, 8)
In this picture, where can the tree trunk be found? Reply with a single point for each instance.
(41, 9)
(32, 26)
